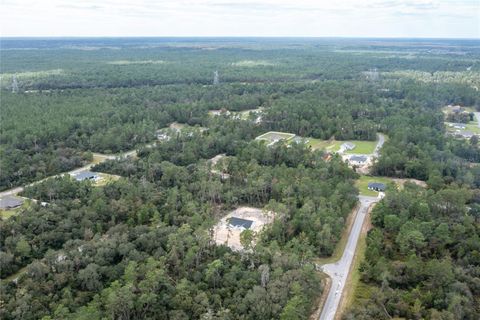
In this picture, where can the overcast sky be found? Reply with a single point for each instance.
(347, 18)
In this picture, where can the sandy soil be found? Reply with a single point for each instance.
(226, 234)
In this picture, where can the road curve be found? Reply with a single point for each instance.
(339, 270)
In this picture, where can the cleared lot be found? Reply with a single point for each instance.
(228, 230)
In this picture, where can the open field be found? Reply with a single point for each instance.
(473, 127)
(328, 145)
(6, 214)
(362, 184)
(177, 126)
(253, 63)
(361, 147)
(273, 136)
(128, 62)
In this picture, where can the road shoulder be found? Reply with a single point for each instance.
(353, 274)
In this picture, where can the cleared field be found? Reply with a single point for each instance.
(6, 214)
(361, 147)
(273, 136)
(473, 127)
(329, 145)
(128, 62)
(253, 63)
(244, 115)
(362, 184)
(177, 126)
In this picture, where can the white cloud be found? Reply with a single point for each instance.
(405, 18)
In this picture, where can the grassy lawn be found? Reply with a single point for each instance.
(473, 127)
(363, 147)
(5, 214)
(329, 145)
(269, 136)
(362, 184)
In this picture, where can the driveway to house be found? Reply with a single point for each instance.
(339, 270)
(381, 141)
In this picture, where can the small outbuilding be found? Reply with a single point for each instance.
(348, 146)
(377, 186)
(9, 202)
(86, 175)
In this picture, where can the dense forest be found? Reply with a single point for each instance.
(140, 247)
(423, 257)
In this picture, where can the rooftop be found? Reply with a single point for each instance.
(85, 175)
(240, 223)
(358, 158)
(377, 186)
(9, 202)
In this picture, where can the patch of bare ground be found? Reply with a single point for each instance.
(228, 233)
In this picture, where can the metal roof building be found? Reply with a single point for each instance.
(9, 202)
(240, 223)
(86, 175)
(356, 158)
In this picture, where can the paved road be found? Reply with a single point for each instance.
(339, 270)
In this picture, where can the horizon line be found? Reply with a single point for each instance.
(234, 36)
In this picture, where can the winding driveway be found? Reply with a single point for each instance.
(339, 270)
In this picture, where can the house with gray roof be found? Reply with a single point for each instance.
(240, 223)
(376, 186)
(357, 159)
(86, 175)
(10, 202)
